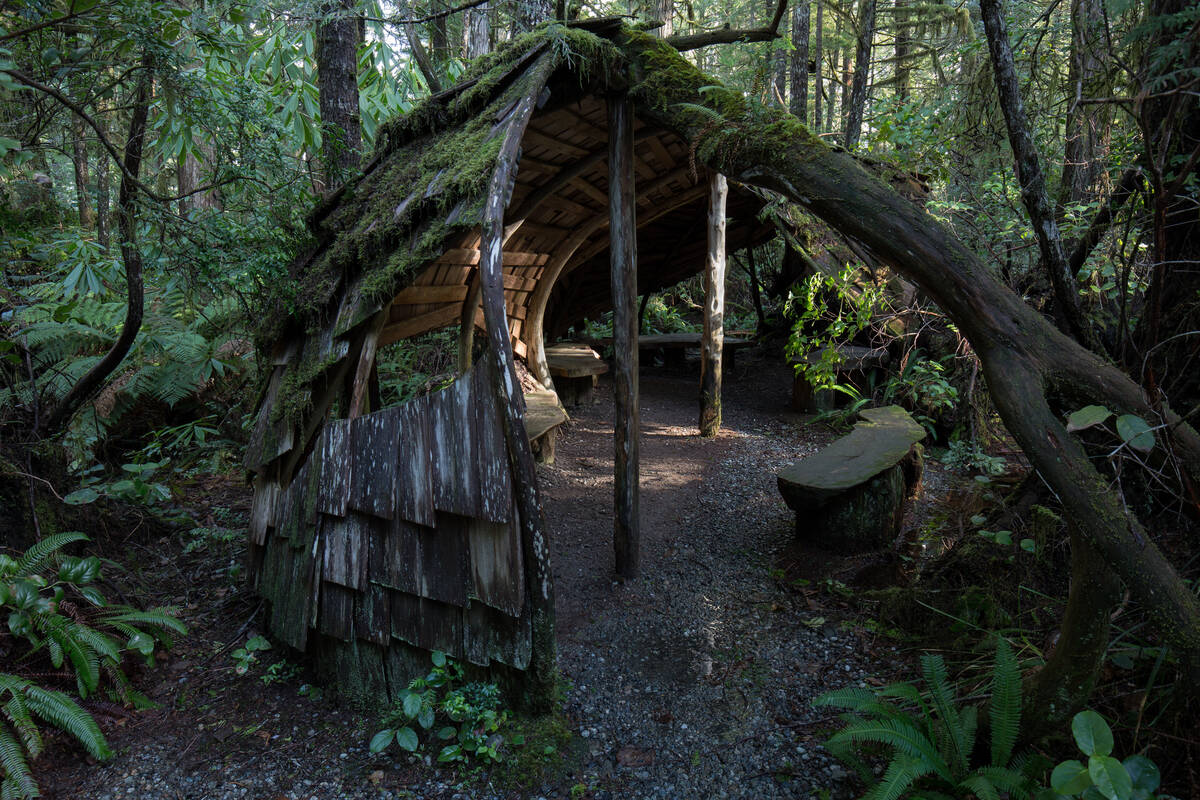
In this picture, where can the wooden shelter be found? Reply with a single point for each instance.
(512, 205)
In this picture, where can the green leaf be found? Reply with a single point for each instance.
(1144, 775)
(450, 752)
(1070, 777)
(1135, 432)
(412, 705)
(1110, 777)
(1087, 417)
(381, 740)
(425, 717)
(448, 732)
(438, 658)
(406, 737)
(1092, 733)
(1029, 545)
(142, 643)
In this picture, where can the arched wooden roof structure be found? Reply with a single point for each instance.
(386, 532)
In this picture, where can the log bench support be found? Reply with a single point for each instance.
(575, 368)
(543, 415)
(850, 496)
(854, 369)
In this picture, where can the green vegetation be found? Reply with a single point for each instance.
(929, 736)
(59, 625)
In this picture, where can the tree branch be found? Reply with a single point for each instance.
(693, 41)
(86, 386)
(1104, 218)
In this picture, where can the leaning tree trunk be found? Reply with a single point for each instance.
(127, 201)
(862, 71)
(1033, 183)
(1027, 362)
(83, 192)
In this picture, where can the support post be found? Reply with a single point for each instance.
(713, 340)
(623, 262)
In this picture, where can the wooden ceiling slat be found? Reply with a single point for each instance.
(418, 295)
(412, 326)
(516, 258)
(540, 139)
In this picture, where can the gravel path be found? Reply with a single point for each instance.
(693, 681)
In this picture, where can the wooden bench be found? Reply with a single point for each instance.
(543, 415)
(673, 345)
(850, 496)
(856, 364)
(575, 369)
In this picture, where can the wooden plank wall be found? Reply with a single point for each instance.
(400, 527)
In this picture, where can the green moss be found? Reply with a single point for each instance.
(544, 755)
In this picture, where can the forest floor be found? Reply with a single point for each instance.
(693, 681)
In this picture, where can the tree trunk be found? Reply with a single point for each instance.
(338, 38)
(862, 71)
(622, 231)
(94, 378)
(1033, 183)
(1061, 688)
(798, 101)
(477, 32)
(818, 57)
(664, 12)
(903, 49)
(1088, 124)
(528, 14)
(1170, 122)
(1027, 362)
(102, 202)
(83, 192)
(712, 342)
(832, 123)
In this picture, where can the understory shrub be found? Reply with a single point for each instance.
(59, 627)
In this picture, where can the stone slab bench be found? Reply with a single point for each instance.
(856, 363)
(543, 414)
(850, 496)
(575, 369)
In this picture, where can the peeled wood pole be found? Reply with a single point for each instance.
(622, 234)
(713, 341)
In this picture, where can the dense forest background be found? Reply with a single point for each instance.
(157, 161)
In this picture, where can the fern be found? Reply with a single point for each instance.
(931, 739)
(36, 556)
(64, 624)
(1005, 713)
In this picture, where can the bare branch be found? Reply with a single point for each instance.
(693, 41)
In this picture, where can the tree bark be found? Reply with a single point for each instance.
(819, 80)
(862, 71)
(1170, 123)
(102, 202)
(903, 49)
(798, 101)
(1033, 183)
(477, 32)
(1027, 362)
(712, 341)
(1061, 688)
(93, 379)
(623, 261)
(83, 192)
(338, 38)
(528, 14)
(1088, 124)
(664, 12)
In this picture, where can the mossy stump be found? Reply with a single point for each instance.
(850, 496)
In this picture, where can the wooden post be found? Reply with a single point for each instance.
(713, 340)
(622, 234)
